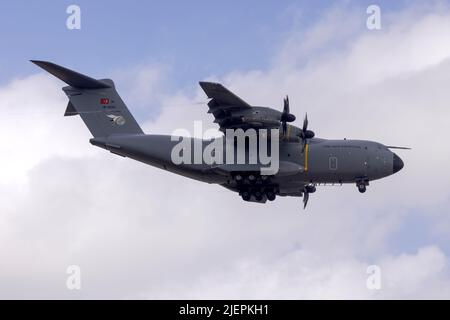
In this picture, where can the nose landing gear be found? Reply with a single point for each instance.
(362, 185)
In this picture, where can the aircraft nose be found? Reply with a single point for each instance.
(398, 163)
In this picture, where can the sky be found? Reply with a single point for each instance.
(195, 38)
(138, 232)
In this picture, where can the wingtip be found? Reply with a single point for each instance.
(42, 64)
(38, 62)
(203, 83)
(209, 86)
(208, 83)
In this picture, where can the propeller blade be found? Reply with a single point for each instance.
(305, 198)
(286, 106)
(286, 115)
(305, 124)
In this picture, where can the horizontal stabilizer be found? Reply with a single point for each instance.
(70, 110)
(71, 77)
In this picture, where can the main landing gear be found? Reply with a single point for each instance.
(256, 186)
(258, 194)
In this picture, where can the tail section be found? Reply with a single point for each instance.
(96, 101)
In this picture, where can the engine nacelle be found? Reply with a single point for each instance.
(292, 134)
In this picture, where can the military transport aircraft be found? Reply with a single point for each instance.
(304, 161)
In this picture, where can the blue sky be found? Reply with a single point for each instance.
(195, 38)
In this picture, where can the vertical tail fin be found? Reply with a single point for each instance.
(96, 101)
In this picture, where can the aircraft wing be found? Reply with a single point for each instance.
(231, 112)
(222, 96)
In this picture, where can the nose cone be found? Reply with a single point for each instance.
(398, 164)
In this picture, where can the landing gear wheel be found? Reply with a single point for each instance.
(258, 196)
(362, 188)
(246, 196)
(270, 195)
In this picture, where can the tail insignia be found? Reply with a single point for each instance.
(118, 120)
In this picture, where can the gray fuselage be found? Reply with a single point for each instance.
(322, 162)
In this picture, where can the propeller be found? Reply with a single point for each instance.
(306, 134)
(286, 116)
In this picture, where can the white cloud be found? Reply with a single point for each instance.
(304, 275)
(32, 129)
(427, 279)
(140, 232)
